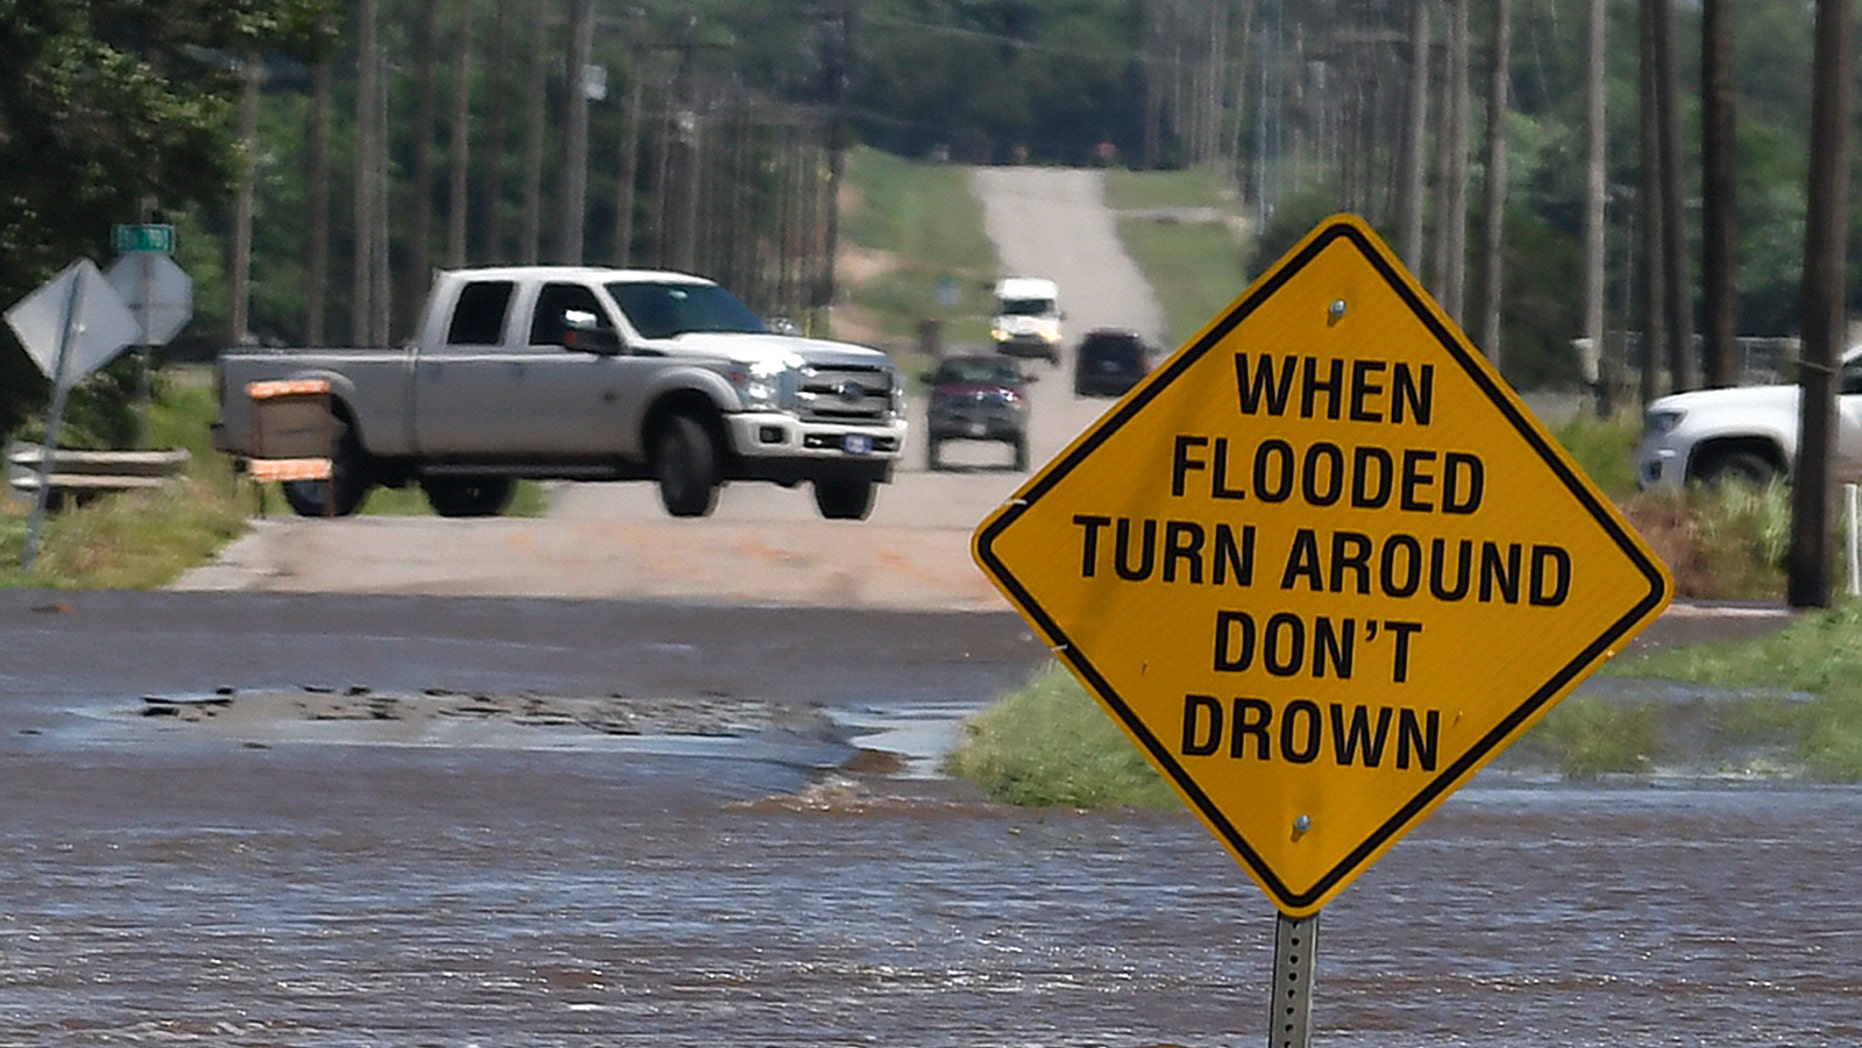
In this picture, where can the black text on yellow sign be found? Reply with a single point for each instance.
(1322, 565)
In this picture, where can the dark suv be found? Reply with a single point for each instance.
(977, 398)
(1109, 363)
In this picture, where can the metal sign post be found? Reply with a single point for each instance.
(74, 312)
(1280, 563)
(1296, 940)
(69, 331)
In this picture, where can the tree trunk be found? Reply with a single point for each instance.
(1718, 243)
(252, 72)
(1493, 207)
(457, 201)
(1594, 174)
(628, 179)
(1809, 562)
(362, 286)
(575, 133)
(492, 165)
(1655, 349)
(1677, 284)
(1454, 216)
(317, 261)
(417, 272)
(530, 246)
(1413, 185)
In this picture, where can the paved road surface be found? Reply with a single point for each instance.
(765, 543)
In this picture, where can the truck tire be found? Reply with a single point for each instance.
(1740, 466)
(931, 458)
(686, 463)
(469, 496)
(351, 481)
(845, 499)
(1021, 454)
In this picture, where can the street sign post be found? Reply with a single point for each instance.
(70, 326)
(1322, 565)
(158, 238)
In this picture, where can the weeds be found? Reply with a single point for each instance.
(1050, 744)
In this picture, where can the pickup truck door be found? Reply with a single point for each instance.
(535, 396)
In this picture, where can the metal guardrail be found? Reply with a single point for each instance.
(82, 475)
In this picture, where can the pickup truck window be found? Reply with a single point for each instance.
(557, 306)
(665, 310)
(478, 318)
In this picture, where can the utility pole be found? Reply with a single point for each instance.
(1678, 298)
(362, 285)
(1594, 179)
(1718, 245)
(1827, 220)
(575, 132)
(840, 56)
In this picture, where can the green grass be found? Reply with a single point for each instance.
(1140, 190)
(136, 540)
(1605, 448)
(1195, 268)
(1049, 744)
(917, 223)
(146, 540)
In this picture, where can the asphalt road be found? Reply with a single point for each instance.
(764, 544)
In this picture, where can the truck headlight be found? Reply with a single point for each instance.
(761, 385)
(999, 334)
(1660, 423)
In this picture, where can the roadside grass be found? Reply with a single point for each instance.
(907, 225)
(139, 540)
(1196, 266)
(1190, 187)
(1785, 706)
(145, 540)
(1049, 744)
(1195, 269)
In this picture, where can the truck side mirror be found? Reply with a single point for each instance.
(604, 341)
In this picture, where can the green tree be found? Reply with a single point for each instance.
(109, 107)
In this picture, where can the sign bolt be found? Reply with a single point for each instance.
(1301, 825)
(1336, 312)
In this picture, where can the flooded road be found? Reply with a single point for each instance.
(169, 885)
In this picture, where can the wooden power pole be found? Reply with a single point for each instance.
(1808, 564)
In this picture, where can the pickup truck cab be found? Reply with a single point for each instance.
(1746, 433)
(578, 373)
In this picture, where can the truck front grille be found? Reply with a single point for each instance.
(844, 394)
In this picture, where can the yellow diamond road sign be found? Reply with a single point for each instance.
(1322, 565)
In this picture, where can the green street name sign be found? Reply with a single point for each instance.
(159, 238)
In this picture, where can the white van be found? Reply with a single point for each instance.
(1027, 322)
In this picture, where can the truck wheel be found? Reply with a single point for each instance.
(469, 496)
(686, 464)
(1021, 454)
(931, 458)
(351, 482)
(1745, 467)
(845, 499)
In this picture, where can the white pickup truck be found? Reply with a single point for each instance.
(587, 374)
(1745, 433)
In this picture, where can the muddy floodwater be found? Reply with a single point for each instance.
(342, 843)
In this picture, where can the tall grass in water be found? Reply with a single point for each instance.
(1050, 744)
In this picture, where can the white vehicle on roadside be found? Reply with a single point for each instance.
(1744, 433)
(1027, 319)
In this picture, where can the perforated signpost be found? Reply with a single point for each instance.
(1321, 566)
